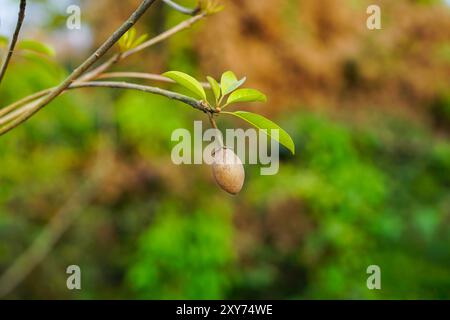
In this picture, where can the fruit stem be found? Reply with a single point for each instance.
(214, 125)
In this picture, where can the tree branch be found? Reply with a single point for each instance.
(159, 38)
(84, 66)
(142, 75)
(137, 75)
(9, 54)
(23, 101)
(5, 115)
(181, 9)
(196, 104)
(94, 74)
(166, 34)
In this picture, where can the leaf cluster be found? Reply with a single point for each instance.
(228, 92)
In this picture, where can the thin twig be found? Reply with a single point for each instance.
(212, 121)
(9, 54)
(214, 125)
(91, 75)
(84, 66)
(69, 212)
(197, 104)
(181, 9)
(23, 101)
(17, 113)
(106, 65)
(151, 42)
(137, 75)
(142, 75)
(6, 114)
(181, 26)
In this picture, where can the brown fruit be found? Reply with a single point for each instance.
(228, 170)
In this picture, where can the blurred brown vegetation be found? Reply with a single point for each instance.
(320, 53)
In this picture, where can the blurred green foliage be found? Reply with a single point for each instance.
(355, 194)
(194, 268)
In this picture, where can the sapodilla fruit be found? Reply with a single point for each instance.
(228, 170)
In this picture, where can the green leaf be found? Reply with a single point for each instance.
(128, 40)
(215, 87)
(236, 85)
(140, 40)
(123, 42)
(37, 47)
(246, 95)
(226, 82)
(188, 82)
(210, 6)
(131, 37)
(229, 82)
(42, 60)
(265, 124)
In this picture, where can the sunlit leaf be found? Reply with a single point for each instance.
(36, 46)
(215, 87)
(128, 40)
(140, 40)
(188, 82)
(211, 6)
(227, 80)
(266, 125)
(246, 95)
(216, 9)
(123, 42)
(131, 37)
(236, 85)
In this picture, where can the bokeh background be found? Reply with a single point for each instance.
(89, 180)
